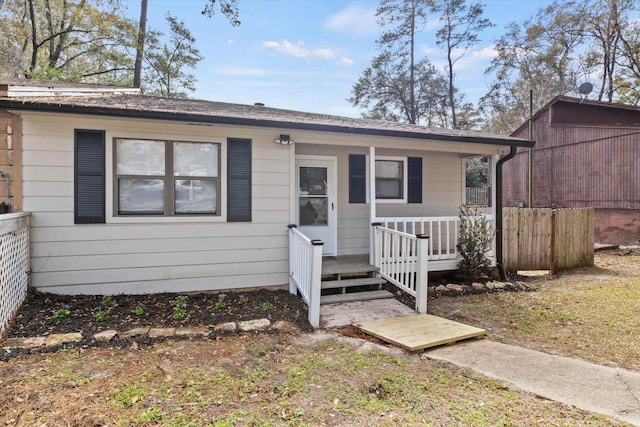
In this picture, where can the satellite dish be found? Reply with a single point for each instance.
(585, 88)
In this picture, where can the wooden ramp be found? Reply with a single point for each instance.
(420, 331)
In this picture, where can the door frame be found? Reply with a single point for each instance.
(331, 162)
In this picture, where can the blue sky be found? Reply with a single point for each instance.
(307, 54)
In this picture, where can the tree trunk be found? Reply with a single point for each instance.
(412, 84)
(142, 31)
(34, 39)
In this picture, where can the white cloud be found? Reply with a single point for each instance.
(345, 62)
(354, 19)
(428, 50)
(487, 52)
(299, 50)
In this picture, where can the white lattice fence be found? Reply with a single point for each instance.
(14, 265)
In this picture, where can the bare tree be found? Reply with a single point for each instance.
(166, 63)
(462, 23)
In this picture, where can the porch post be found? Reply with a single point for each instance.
(293, 287)
(316, 277)
(372, 198)
(422, 272)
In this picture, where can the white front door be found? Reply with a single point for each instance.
(316, 210)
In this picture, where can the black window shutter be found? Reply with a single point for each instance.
(357, 178)
(238, 180)
(414, 175)
(89, 170)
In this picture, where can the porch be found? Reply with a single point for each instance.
(403, 251)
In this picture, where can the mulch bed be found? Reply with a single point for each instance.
(37, 316)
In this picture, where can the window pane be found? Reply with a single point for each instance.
(313, 181)
(388, 189)
(195, 159)
(195, 196)
(314, 210)
(139, 157)
(388, 169)
(141, 196)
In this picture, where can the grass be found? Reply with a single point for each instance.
(296, 380)
(263, 380)
(592, 313)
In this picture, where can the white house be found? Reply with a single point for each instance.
(137, 194)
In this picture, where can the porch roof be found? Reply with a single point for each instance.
(118, 103)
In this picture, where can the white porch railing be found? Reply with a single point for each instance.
(305, 271)
(402, 260)
(442, 231)
(14, 265)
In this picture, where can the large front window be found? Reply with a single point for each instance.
(166, 177)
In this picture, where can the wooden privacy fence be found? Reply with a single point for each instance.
(547, 239)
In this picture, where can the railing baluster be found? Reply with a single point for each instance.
(305, 270)
(403, 262)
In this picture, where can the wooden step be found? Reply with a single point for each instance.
(348, 269)
(355, 296)
(365, 281)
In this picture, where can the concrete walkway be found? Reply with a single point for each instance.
(610, 391)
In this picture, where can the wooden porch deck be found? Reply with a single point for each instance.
(419, 331)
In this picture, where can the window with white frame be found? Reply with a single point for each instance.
(391, 179)
(166, 178)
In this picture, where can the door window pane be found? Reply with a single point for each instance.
(141, 195)
(139, 157)
(313, 181)
(195, 159)
(195, 196)
(314, 210)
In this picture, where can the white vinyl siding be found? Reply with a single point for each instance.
(173, 254)
(145, 255)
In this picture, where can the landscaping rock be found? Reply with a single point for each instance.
(499, 285)
(31, 342)
(192, 332)
(431, 290)
(490, 286)
(134, 332)
(253, 325)
(58, 339)
(455, 289)
(441, 288)
(478, 287)
(227, 327)
(105, 336)
(162, 332)
(466, 289)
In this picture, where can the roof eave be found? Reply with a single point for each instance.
(206, 118)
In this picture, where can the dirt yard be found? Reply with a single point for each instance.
(323, 378)
(591, 313)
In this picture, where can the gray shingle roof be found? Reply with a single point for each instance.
(134, 105)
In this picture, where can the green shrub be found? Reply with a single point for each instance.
(474, 241)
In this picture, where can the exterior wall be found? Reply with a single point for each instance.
(140, 255)
(10, 161)
(582, 166)
(442, 192)
(617, 226)
(146, 255)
